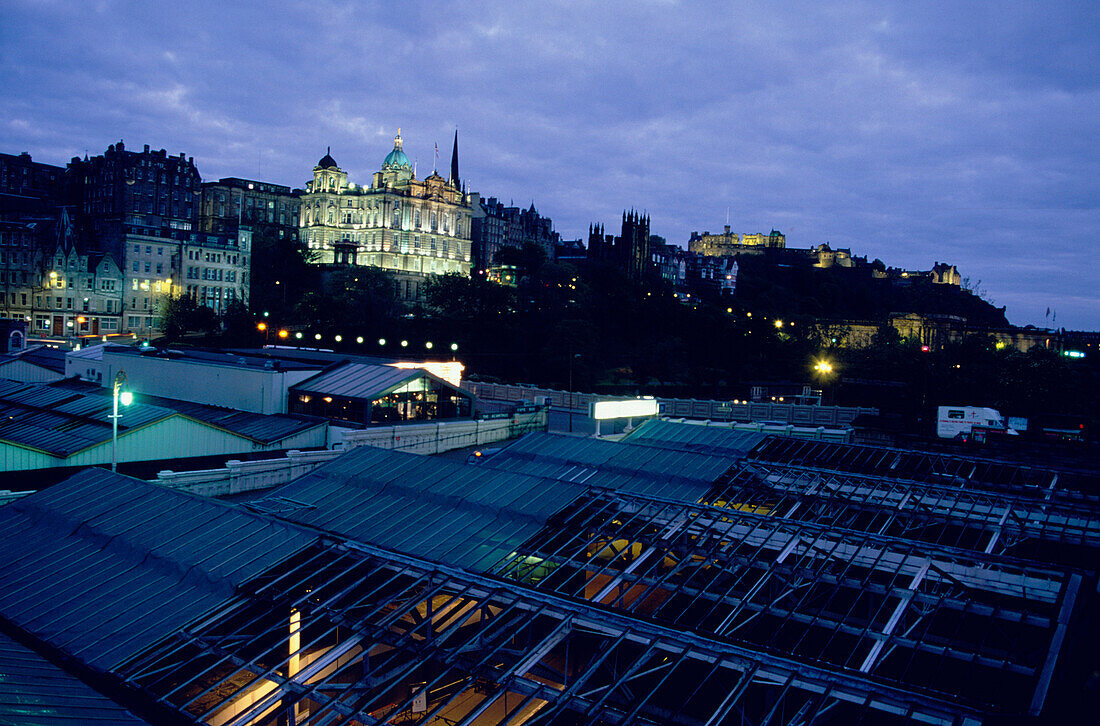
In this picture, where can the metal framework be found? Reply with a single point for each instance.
(345, 633)
(972, 627)
(981, 520)
(970, 472)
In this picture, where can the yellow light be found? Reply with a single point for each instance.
(428, 345)
(284, 333)
(823, 367)
(261, 327)
(779, 323)
(404, 344)
(359, 339)
(316, 336)
(81, 319)
(381, 341)
(328, 399)
(338, 338)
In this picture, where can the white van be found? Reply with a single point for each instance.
(955, 421)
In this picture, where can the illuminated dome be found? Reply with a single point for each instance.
(396, 159)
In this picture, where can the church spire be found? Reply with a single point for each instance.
(454, 181)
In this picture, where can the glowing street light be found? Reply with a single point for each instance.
(404, 344)
(338, 338)
(284, 333)
(454, 346)
(381, 341)
(428, 345)
(823, 367)
(126, 398)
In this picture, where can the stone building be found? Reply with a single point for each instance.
(730, 243)
(411, 227)
(499, 227)
(52, 279)
(231, 202)
(629, 251)
(28, 186)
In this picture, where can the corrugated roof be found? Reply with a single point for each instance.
(361, 380)
(694, 437)
(102, 566)
(613, 465)
(63, 422)
(466, 516)
(265, 428)
(34, 692)
(44, 357)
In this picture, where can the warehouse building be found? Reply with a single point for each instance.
(67, 425)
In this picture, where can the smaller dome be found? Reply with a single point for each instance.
(397, 159)
(327, 162)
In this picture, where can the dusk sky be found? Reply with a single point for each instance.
(914, 132)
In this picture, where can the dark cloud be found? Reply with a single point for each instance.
(911, 132)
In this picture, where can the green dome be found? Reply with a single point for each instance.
(396, 159)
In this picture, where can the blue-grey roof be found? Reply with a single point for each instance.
(102, 566)
(612, 465)
(62, 422)
(44, 357)
(694, 437)
(465, 516)
(35, 692)
(364, 381)
(260, 427)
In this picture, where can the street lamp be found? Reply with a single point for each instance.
(126, 398)
(824, 369)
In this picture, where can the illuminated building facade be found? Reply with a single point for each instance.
(410, 227)
(731, 243)
(51, 279)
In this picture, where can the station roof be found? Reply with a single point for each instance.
(101, 566)
(717, 440)
(611, 465)
(34, 692)
(263, 428)
(787, 595)
(214, 357)
(51, 359)
(466, 516)
(365, 381)
(62, 422)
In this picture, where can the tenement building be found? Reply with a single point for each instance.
(410, 227)
(232, 202)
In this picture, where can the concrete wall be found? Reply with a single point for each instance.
(243, 476)
(24, 372)
(245, 388)
(684, 407)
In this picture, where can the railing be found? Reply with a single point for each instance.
(712, 410)
(237, 477)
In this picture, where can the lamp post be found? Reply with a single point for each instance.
(824, 370)
(571, 357)
(118, 395)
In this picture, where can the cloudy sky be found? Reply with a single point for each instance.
(914, 132)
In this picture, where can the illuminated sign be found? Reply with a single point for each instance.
(632, 408)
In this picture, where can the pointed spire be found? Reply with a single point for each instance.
(454, 180)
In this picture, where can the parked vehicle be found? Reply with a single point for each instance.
(961, 422)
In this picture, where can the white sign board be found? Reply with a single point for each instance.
(633, 408)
